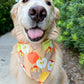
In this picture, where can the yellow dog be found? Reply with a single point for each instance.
(36, 59)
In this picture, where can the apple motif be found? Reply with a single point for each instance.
(50, 65)
(41, 63)
(33, 57)
(44, 76)
(35, 72)
(48, 55)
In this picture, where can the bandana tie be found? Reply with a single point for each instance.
(37, 63)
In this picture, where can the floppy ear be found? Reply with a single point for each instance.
(19, 33)
(56, 11)
(54, 33)
(14, 13)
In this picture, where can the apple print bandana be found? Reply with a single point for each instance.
(37, 63)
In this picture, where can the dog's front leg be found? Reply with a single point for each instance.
(64, 79)
(23, 78)
(14, 62)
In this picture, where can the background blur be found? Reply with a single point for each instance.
(71, 24)
(5, 21)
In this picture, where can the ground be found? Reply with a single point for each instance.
(71, 63)
(72, 66)
(6, 43)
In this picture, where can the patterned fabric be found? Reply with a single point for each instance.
(37, 63)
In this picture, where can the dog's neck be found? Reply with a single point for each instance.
(37, 45)
(37, 60)
(34, 45)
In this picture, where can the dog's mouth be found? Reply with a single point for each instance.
(35, 34)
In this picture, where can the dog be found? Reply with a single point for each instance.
(36, 58)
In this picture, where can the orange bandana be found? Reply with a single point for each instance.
(37, 63)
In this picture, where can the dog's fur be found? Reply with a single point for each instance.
(19, 14)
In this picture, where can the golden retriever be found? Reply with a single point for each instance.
(35, 22)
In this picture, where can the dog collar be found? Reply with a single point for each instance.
(37, 63)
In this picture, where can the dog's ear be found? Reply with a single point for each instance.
(54, 33)
(56, 11)
(14, 13)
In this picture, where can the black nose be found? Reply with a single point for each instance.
(37, 13)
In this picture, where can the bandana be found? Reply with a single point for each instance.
(37, 63)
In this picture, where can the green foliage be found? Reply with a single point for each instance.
(72, 24)
(5, 20)
(81, 60)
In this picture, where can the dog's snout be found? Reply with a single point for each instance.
(37, 13)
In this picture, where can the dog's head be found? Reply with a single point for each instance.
(34, 20)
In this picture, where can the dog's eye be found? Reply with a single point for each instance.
(24, 1)
(48, 3)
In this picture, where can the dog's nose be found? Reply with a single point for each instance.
(37, 13)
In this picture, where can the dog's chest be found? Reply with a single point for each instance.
(37, 63)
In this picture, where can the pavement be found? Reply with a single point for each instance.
(6, 43)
